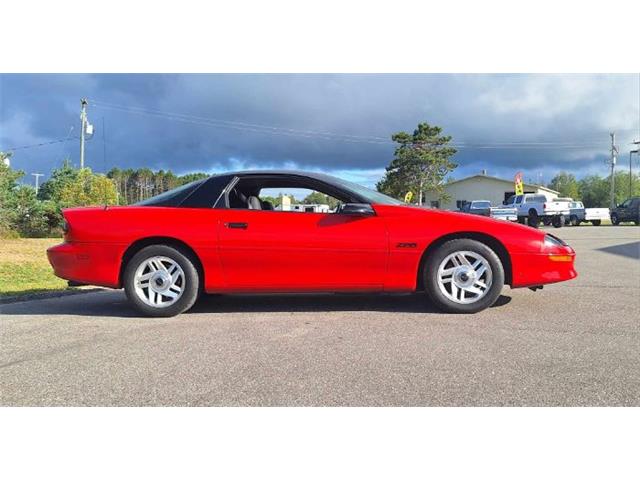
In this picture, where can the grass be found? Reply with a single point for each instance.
(24, 267)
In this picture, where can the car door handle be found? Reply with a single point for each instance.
(240, 225)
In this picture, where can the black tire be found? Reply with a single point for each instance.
(596, 223)
(573, 220)
(190, 287)
(546, 221)
(430, 276)
(522, 220)
(615, 219)
(533, 220)
(558, 221)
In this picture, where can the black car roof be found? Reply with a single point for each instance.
(316, 175)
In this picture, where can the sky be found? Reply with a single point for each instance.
(335, 123)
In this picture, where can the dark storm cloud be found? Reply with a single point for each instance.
(487, 109)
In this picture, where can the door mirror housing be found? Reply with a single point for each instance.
(359, 209)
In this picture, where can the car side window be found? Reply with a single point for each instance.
(285, 194)
(302, 200)
(518, 199)
(625, 204)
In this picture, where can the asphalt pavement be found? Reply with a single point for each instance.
(571, 344)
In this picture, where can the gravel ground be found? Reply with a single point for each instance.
(571, 344)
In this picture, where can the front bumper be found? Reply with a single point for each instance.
(542, 268)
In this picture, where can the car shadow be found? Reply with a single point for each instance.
(631, 250)
(113, 303)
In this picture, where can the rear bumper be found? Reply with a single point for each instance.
(508, 218)
(538, 269)
(87, 263)
(555, 213)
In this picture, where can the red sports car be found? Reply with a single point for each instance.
(218, 235)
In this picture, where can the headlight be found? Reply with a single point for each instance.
(553, 241)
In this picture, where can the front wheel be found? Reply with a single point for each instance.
(615, 219)
(463, 276)
(161, 281)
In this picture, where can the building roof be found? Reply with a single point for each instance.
(511, 182)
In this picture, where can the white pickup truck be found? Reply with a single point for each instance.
(579, 214)
(534, 208)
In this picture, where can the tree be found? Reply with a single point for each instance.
(594, 191)
(315, 198)
(421, 162)
(88, 189)
(566, 184)
(27, 216)
(59, 179)
(192, 177)
(8, 184)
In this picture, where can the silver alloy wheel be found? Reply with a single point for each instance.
(465, 277)
(159, 281)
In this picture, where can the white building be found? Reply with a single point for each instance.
(482, 187)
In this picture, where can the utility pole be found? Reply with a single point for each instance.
(614, 155)
(83, 126)
(37, 175)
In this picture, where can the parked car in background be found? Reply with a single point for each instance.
(215, 236)
(535, 208)
(578, 214)
(484, 208)
(509, 214)
(627, 211)
(477, 207)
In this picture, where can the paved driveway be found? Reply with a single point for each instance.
(576, 343)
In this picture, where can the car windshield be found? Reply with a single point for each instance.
(370, 195)
(481, 204)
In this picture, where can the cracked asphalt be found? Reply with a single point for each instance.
(571, 344)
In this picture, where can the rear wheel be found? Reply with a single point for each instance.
(463, 276)
(558, 221)
(596, 223)
(533, 220)
(573, 220)
(161, 281)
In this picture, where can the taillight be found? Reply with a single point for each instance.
(544, 205)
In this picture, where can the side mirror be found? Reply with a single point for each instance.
(360, 209)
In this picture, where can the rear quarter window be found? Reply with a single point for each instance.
(207, 195)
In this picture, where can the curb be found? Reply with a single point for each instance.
(46, 295)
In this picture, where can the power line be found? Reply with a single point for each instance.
(34, 145)
(266, 129)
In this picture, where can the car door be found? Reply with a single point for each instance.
(270, 250)
(623, 210)
(517, 202)
(631, 212)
